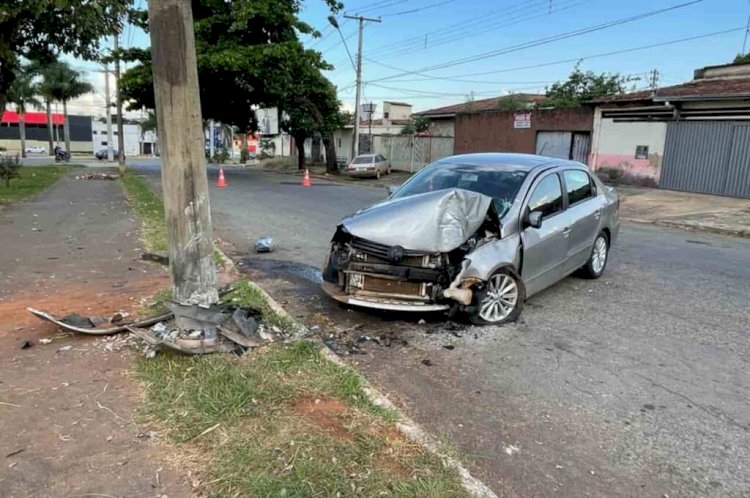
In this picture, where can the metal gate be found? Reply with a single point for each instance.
(709, 157)
(564, 145)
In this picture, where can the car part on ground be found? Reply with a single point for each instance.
(476, 234)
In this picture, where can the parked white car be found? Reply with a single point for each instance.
(36, 149)
(369, 165)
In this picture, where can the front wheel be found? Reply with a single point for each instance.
(598, 260)
(500, 300)
(377, 174)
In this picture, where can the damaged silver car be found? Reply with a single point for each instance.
(475, 233)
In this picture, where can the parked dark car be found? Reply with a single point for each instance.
(101, 154)
(476, 233)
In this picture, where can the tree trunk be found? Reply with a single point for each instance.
(243, 144)
(22, 132)
(185, 184)
(331, 166)
(315, 150)
(49, 127)
(299, 141)
(66, 126)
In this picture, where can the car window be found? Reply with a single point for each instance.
(547, 196)
(362, 160)
(381, 158)
(578, 185)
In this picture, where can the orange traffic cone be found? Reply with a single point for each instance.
(306, 180)
(222, 182)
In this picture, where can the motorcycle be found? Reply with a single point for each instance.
(62, 156)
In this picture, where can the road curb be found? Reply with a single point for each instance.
(734, 232)
(410, 429)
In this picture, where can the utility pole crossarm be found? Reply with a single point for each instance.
(361, 20)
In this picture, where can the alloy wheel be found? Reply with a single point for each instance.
(500, 299)
(599, 255)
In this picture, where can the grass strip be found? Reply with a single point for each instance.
(33, 179)
(150, 210)
(284, 421)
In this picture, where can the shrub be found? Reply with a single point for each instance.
(10, 168)
(244, 156)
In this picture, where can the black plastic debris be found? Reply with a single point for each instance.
(427, 363)
(156, 258)
(77, 320)
(449, 347)
(26, 344)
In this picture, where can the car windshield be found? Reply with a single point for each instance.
(362, 160)
(502, 184)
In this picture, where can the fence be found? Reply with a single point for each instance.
(412, 153)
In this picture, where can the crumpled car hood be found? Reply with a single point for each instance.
(438, 221)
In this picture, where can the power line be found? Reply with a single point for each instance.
(535, 43)
(418, 9)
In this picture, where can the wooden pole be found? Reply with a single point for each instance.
(183, 171)
(120, 136)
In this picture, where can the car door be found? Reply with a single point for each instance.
(544, 248)
(381, 164)
(584, 212)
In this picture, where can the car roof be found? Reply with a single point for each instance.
(521, 162)
(368, 155)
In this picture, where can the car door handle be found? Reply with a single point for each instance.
(598, 214)
(566, 232)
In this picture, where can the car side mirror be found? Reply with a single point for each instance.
(392, 189)
(534, 219)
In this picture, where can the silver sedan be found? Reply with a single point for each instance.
(369, 165)
(476, 233)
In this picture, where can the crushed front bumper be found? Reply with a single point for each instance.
(381, 303)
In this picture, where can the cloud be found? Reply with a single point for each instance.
(94, 104)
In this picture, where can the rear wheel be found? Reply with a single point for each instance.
(377, 174)
(500, 300)
(598, 260)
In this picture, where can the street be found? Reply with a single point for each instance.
(633, 384)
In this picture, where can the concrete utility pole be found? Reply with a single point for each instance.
(108, 105)
(355, 144)
(654, 82)
(120, 135)
(211, 139)
(183, 171)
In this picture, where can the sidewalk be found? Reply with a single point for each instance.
(67, 407)
(685, 210)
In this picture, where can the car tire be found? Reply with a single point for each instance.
(377, 174)
(388, 170)
(499, 300)
(597, 262)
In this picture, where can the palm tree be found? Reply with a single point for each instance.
(46, 90)
(67, 84)
(23, 94)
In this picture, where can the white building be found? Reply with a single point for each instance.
(131, 132)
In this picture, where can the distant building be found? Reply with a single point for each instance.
(37, 131)
(693, 137)
(100, 139)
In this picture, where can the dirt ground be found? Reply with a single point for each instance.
(67, 407)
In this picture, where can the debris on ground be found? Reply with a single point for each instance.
(264, 244)
(65, 348)
(45, 340)
(26, 344)
(427, 363)
(156, 258)
(87, 325)
(97, 176)
(219, 328)
(449, 347)
(119, 316)
(450, 327)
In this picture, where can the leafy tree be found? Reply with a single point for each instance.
(66, 84)
(742, 59)
(41, 29)
(418, 124)
(248, 54)
(23, 93)
(582, 86)
(45, 90)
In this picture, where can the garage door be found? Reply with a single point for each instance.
(707, 157)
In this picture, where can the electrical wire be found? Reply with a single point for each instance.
(534, 43)
(417, 9)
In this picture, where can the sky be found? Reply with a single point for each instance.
(432, 53)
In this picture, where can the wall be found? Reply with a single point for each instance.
(37, 135)
(396, 111)
(131, 134)
(445, 127)
(494, 131)
(614, 148)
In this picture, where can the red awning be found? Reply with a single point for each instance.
(31, 118)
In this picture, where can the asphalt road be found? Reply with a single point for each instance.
(636, 384)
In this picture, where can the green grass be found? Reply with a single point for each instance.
(271, 440)
(33, 180)
(150, 210)
(245, 294)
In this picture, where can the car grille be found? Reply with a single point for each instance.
(380, 252)
(390, 286)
